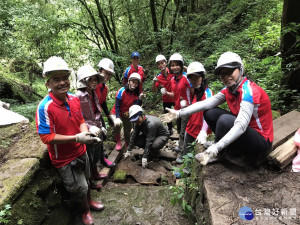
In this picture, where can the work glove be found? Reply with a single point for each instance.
(209, 155)
(144, 162)
(110, 120)
(95, 130)
(155, 78)
(142, 96)
(117, 122)
(183, 104)
(127, 154)
(170, 116)
(87, 138)
(104, 131)
(201, 138)
(163, 91)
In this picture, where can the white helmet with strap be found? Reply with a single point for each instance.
(229, 60)
(134, 112)
(135, 76)
(176, 57)
(195, 67)
(107, 64)
(84, 72)
(160, 58)
(55, 63)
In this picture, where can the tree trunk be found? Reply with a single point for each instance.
(155, 27)
(290, 43)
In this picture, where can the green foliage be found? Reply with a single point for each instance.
(186, 182)
(27, 110)
(4, 214)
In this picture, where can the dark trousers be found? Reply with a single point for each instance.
(188, 139)
(250, 148)
(157, 144)
(168, 105)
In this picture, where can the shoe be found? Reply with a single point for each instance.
(86, 215)
(95, 186)
(118, 140)
(93, 205)
(107, 163)
(96, 175)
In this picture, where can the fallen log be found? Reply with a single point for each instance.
(284, 154)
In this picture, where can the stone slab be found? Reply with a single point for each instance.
(285, 127)
(30, 146)
(15, 174)
(9, 117)
(228, 188)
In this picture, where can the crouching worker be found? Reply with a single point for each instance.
(87, 80)
(244, 135)
(148, 133)
(61, 126)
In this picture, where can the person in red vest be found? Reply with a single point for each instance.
(163, 79)
(61, 126)
(181, 91)
(197, 128)
(135, 68)
(106, 69)
(243, 135)
(125, 97)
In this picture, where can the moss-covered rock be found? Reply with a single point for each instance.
(120, 176)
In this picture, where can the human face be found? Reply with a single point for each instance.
(107, 75)
(196, 80)
(92, 82)
(139, 121)
(59, 83)
(229, 76)
(135, 61)
(133, 84)
(162, 65)
(175, 67)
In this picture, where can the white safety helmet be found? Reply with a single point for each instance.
(134, 112)
(135, 76)
(55, 63)
(159, 58)
(229, 60)
(107, 64)
(195, 67)
(176, 57)
(84, 72)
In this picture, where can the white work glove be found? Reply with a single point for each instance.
(117, 122)
(87, 138)
(104, 131)
(142, 96)
(127, 154)
(163, 91)
(95, 130)
(183, 104)
(201, 138)
(209, 155)
(170, 116)
(144, 162)
(155, 78)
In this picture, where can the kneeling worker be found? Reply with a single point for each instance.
(148, 133)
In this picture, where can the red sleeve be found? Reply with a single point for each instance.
(47, 138)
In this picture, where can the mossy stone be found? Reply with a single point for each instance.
(120, 176)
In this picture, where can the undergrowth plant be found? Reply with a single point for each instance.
(4, 214)
(186, 182)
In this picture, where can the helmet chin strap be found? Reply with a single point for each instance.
(233, 88)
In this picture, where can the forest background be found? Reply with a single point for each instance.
(265, 33)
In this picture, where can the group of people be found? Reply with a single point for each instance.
(73, 128)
